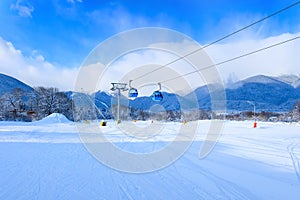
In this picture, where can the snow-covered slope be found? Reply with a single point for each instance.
(53, 119)
(8, 83)
(102, 99)
(50, 162)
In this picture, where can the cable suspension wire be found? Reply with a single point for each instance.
(235, 58)
(222, 38)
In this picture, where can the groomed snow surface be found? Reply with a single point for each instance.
(47, 160)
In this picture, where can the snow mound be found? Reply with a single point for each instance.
(54, 118)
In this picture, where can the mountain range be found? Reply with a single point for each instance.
(273, 94)
(276, 94)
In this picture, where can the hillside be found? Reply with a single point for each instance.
(268, 93)
(8, 83)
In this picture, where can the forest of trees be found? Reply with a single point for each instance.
(19, 105)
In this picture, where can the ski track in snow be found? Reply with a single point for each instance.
(228, 189)
(47, 161)
(295, 155)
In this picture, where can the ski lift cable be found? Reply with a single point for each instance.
(235, 58)
(226, 61)
(222, 38)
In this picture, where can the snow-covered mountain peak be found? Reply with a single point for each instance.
(261, 79)
(292, 79)
(256, 79)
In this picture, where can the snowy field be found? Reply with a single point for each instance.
(47, 160)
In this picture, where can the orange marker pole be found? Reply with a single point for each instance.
(255, 124)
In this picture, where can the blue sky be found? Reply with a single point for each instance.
(63, 32)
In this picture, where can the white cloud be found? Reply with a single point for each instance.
(24, 8)
(34, 70)
(283, 59)
(276, 61)
(134, 64)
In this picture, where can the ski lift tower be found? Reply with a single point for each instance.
(119, 87)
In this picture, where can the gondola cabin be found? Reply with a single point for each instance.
(132, 93)
(157, 96)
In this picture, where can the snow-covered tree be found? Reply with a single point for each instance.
(13, 105)
(46, 101)
(295, 113)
